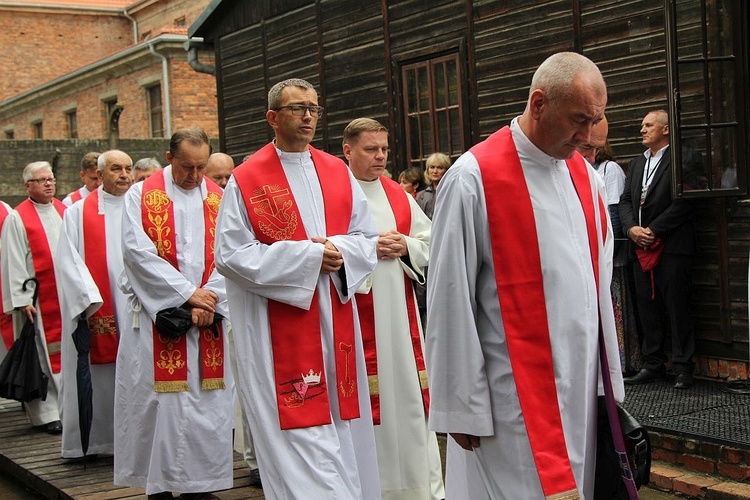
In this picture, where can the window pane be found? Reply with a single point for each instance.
(414, 152)
(442, 131)
(452, 82)
(72, 125)
(694, 171)
(689, 34)
(719, 27)
(424, 89)
(722, 91)
(411, 91)
(456, 134)
(427, 146)
(692, 94)
(724, 157)
(156, 119)
(439, 71)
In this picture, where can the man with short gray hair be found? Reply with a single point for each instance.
(89, 255)
(29, 242)
(520, 265)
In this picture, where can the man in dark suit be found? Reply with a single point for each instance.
(652, 219)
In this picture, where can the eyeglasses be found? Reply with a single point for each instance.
(299, 110)
(43, 181)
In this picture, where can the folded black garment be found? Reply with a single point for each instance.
(174, 322)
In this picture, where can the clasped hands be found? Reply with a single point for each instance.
(203, 306)
(641, 236)
(391, 245)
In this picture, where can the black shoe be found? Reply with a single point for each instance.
(199, 496)
(255, 477)
(645, 376)
(164, 495)
(683, 381)
(54, 427)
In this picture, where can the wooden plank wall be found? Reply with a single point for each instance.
(343, 46)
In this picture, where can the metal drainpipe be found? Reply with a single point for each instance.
(165, 85)
(192, 47)
(135, 25)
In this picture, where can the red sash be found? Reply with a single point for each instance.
(299, 370)
(102, 322)
(170, 355)
(76, 196)
(402, 212)
(44, 270)
(6, 320)
(521, 296)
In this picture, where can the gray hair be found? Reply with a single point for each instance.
(556, 74)
(34, 167)
(101, 162)
(274, 95)
(146, 164)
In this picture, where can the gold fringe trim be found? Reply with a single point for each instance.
(54, 348)
(423, 379)
(374, 384)
(171, 386)
(565, 495)
(211, 384)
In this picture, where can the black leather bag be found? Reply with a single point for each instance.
(608, 478)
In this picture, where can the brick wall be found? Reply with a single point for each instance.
(167, 15)
(192, 96)
(39, 47)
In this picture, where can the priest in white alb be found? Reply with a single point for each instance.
(89, 257)
(29, 244)
(520, 266)
(89, 176)
(174, 405)
(295, 239)
(408, 454)
(6, 320)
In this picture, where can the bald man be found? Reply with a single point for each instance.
(219, 168)
(513, 440)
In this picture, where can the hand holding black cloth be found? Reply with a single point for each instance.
(174, 322)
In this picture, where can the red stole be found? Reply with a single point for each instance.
(102, 322)
(76, 196)
(397, 198)
(170, 355)
(6, 320)
(521, 296)
(299, 370)
(44, 270)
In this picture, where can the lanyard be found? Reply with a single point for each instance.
(648, 176)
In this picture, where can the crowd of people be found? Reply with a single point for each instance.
(289, 299)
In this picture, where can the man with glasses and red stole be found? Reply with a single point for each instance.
(518, 299)
(29, 244)
(295, 239)
(174, 405)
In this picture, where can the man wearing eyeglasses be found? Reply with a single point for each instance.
(29, 241)
(295, 239)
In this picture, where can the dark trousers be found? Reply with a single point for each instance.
(671, 301)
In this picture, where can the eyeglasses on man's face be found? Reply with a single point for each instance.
(46, 180)
(299, 110)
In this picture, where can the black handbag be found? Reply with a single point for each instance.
(608, 476)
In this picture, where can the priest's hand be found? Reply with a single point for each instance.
(391, 245)
(28, 311)
(332, 258)
(201, 317)
(204, 299)
(641, 236)
(466, 441)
